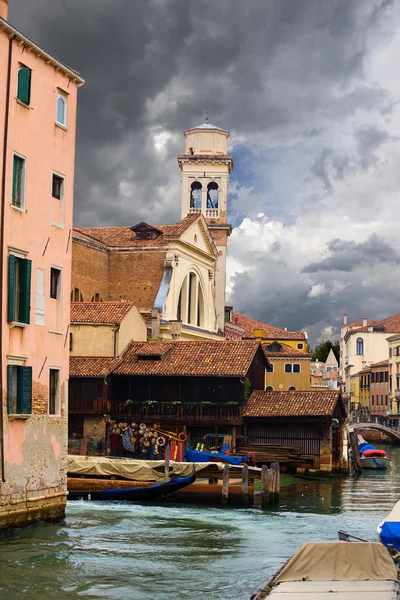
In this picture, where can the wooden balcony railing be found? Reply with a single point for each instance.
(184, 412)
(159, 411)
(87, 406)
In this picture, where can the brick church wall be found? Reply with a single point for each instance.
(90, 271)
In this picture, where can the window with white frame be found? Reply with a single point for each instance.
(61, 117)
(57, 190)
(360, 346)
(269, 388)
(54, 391)
(288, 368)
(55, 283)
(291, 388)
(18, 183)
(296, 368)
(300, 346)
(269, 368)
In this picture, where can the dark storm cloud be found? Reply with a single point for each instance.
(348, 255)
(260, 68)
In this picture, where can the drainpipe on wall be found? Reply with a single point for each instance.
(2, 212)
(115, 339)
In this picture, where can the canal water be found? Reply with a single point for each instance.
(120, 551)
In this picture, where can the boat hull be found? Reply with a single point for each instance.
(374, 462)
(135, 494)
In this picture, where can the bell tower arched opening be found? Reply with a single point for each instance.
(212, 199)
(195, 196)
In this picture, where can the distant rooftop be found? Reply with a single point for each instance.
(207, 125)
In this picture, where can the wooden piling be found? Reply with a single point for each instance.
(274, 491)
(167, 459)
(270, 485)
(264, 486)
(225, 485)
(245, 485)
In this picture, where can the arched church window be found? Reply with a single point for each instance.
(191, 305)
(212, 195)
(96, 298)
(76, 295)
(195, 195)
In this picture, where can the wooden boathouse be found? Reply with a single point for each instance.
(312, 422)
(199, 387)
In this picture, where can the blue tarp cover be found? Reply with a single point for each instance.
(390, 534)
(195, 456)
(366, 447)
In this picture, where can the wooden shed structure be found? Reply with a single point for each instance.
(310, 421)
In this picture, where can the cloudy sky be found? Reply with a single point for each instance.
(309, 90)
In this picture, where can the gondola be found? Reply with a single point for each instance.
(137, 493)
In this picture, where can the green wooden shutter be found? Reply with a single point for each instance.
(24, 85)
(11, 287)
(25, 390)
(17, 191)
(25, 270)
(9, 389)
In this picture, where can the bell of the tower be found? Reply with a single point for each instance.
(206, 166)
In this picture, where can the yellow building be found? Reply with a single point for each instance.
(394, 373)
(104, 328)
(355, 391)
(288, 369)
(364, 387)
(267, 334)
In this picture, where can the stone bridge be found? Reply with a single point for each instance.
(392, 433)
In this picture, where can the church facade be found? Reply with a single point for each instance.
(174, 274)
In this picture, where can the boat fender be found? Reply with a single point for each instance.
(182, 437)
(161, 441)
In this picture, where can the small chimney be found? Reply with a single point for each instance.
(345, 319)
(285, 328)
(4, 9)
(365, 321)
(175, 327)
(258, 334)
(155, 324)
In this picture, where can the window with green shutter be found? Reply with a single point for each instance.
(19, 289)
(18, 189)
(24, 85)
(19, 389)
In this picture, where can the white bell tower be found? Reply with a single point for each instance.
(206, 166)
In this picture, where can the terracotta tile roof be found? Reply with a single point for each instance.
(124, 237)
(393, 337)
(270, 332)
(83, 366)
(313, 403)
(383, 363)
(154, 349)
(99, 312)
(190, 358)
(388, 325)
(365, 370)
(285, 351)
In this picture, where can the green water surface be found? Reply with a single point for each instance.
(121, 551)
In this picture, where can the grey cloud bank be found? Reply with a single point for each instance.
(308, 77)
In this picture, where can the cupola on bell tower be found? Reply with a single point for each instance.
(206, 166)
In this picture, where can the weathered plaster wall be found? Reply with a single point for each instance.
(35, 445)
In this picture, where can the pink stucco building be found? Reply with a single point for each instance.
(38, 96)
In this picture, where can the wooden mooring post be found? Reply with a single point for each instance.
(225, 485)
(167, 459)
(245, 485)
(270, 485)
